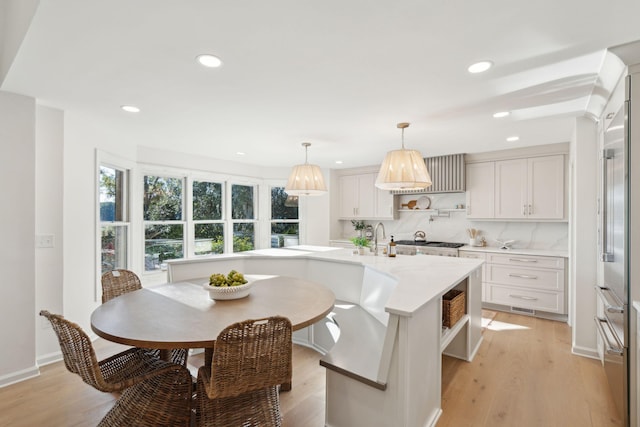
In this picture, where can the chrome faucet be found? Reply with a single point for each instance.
(375, 237)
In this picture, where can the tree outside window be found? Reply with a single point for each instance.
(207, 218)
(164, 225)
(284, 219)
(243, 217)
(114, 225)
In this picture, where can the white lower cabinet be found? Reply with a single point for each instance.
(477, 255)
(528, 282)
(525, 283)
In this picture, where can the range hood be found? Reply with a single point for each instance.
(447, 175)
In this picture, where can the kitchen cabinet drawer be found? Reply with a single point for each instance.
(526, 277)
(531, 261)
(525, 298)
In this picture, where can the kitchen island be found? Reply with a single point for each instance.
(383, 343)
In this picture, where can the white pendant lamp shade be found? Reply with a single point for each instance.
(305, 179)
(403, 169)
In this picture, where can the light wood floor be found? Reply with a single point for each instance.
(523, 375)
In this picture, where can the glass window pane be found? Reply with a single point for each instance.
(243, 237)
(284, 234)
(114, 247)
(207, 200)
(162, 198)
(209, 239)
(111, 194)
(162, 242)
(283, 206)
(242, 201)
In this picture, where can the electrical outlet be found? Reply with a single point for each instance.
(44, 241)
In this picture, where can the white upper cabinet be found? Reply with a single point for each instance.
(521, 189)
(360, 198)
(511, 189)
(480, 181)
(545, 187)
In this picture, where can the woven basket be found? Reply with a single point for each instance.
(453, 303)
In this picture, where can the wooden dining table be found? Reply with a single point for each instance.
(182, 315)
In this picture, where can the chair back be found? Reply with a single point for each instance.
(251, 355)
(118, 282)
(77, 350)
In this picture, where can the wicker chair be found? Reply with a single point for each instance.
(240, 388)
(154, 392)
(118, 282)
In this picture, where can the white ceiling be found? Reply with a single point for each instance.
(339, 74)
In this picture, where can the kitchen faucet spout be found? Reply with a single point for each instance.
(375, 237)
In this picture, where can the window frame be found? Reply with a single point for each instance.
(272, 220)
(164, 173)
(191, 223)
(108, 160)
(256, 214)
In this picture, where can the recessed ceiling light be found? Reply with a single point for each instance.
(240, 153)
(130, 108)
(480, 67)
(338, 162)
(513, 138)
(210, 61)
(501, 114)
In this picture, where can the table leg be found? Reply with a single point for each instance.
(165, 355)
(208, 356)
(285, 386)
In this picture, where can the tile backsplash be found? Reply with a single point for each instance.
(451, 226)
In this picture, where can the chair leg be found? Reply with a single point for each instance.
(162, 400)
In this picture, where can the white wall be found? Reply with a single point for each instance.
(582, 277)
(82, 136)
(48, 219)
(17, 226)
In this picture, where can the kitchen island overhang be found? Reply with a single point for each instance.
(399, 382)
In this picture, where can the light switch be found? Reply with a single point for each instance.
(44, 241)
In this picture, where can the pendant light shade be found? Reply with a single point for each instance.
(305, 179)
(403, 169)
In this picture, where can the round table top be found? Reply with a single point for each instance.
(181, 314)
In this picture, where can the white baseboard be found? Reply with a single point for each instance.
(591, 353)
(16, 377)
(50, 358)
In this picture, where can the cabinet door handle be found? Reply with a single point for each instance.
(524, 297)
(524, 210)
(613, 345)
(605, 255)
(523, 276)
(530, 210)
(522, 260)
(610, 300)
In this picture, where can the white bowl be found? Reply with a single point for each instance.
(228, 292)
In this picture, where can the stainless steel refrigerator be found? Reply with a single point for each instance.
(614, 318)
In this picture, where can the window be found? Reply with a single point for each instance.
(114, 218)
(207, 218)
(243, 217)
(284, 219)
(163, 220)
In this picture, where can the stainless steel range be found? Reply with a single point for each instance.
(426, 247)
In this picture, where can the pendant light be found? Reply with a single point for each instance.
(403, 169)
(306, 179)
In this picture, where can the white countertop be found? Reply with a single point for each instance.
(495, 249)
(420, 277)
